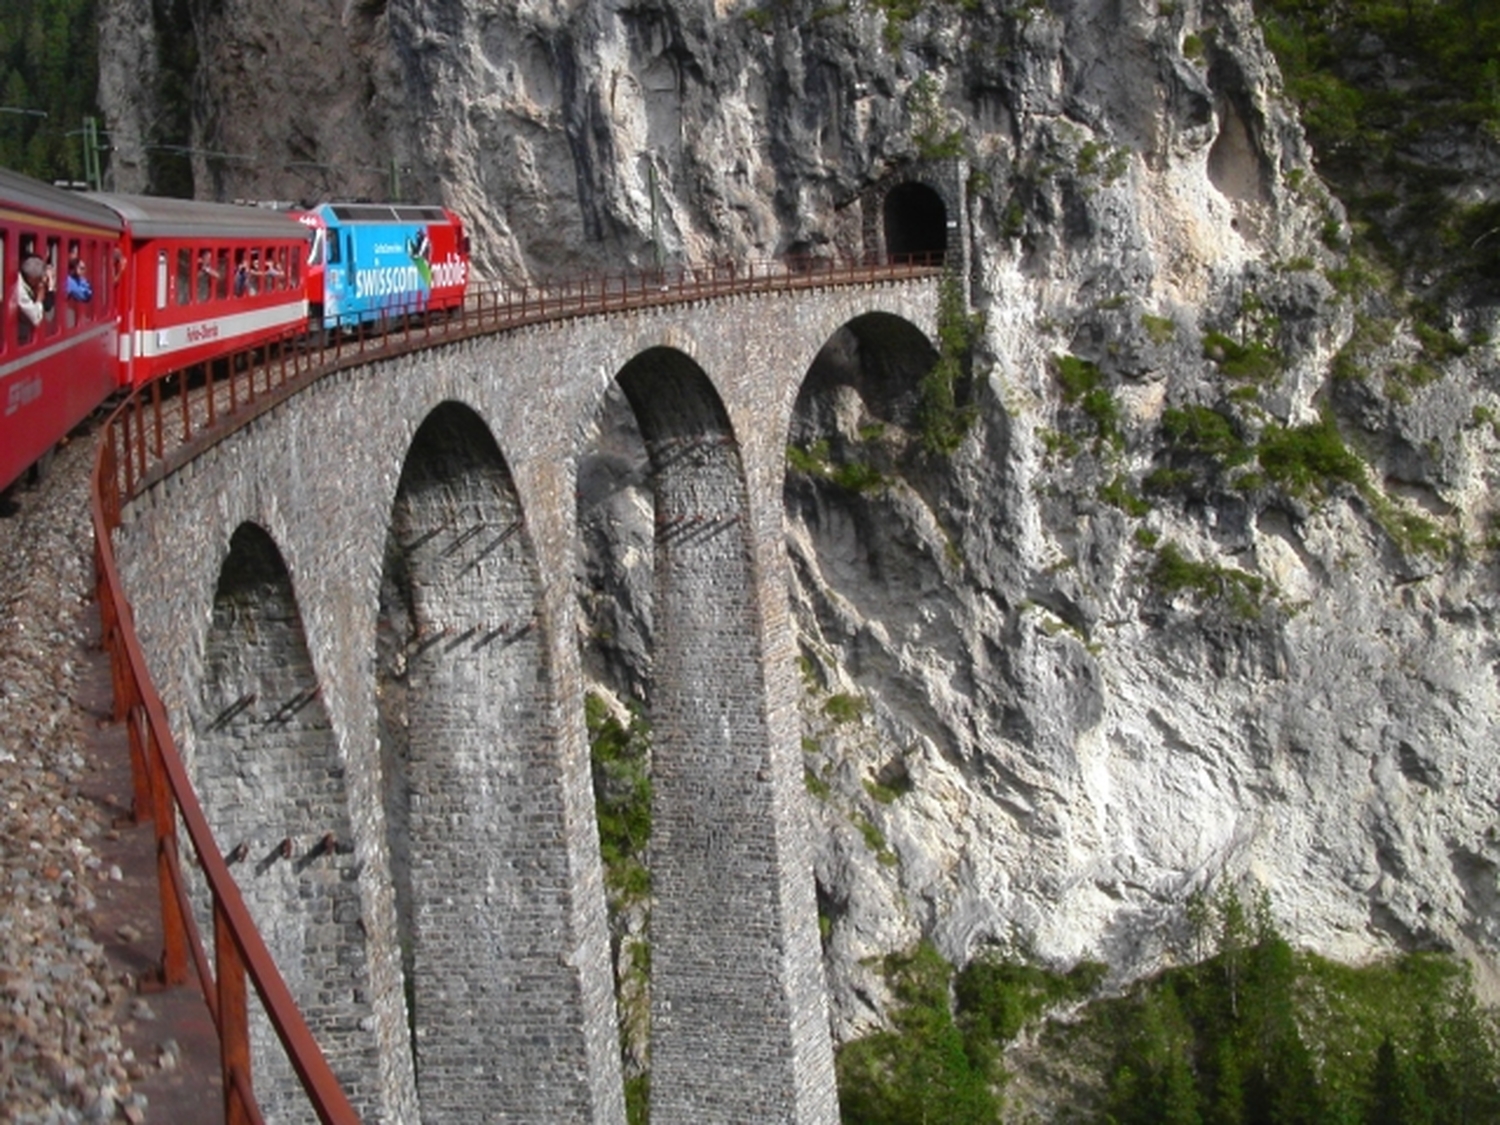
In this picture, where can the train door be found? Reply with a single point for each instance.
(334, 286)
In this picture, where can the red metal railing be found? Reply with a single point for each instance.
(148, 437)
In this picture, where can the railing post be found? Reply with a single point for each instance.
(234, 1021)
(142, 802)
(174, 962)
(156, 417)
(182, 394)
(208, 385)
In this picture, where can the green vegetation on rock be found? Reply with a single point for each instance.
(1251, 1031)
(1383, 133)
(942, 415)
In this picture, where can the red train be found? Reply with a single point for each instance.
(55, 370)
(106, 292)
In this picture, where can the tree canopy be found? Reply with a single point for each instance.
(49, 77)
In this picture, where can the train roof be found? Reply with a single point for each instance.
(153, 216)
(32, 195)
(385, 212)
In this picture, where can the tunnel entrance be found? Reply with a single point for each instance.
(916, 223)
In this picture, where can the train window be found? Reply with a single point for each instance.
(26, 247)
(296, 271)
(221, 274)
(184, 275)
(104, 281)
(161, 279)
(89, 255)
(5, 277)
(66, 286)
(206, 275)
(333, 246)
(315, 249)
(54, 253)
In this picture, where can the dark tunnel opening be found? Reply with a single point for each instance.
(916, 223)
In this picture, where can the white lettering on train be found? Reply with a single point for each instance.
(22, 394)
(384, 281)
(450, 272)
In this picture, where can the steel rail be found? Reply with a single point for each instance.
(140, 446)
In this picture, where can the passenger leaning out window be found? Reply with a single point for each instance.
(35, 294)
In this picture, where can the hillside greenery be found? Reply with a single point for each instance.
(49, 73)
(1251, 1032)
(1389, 91)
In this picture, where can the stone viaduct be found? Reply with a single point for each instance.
(361, 612)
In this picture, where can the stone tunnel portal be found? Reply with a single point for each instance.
(915, 222)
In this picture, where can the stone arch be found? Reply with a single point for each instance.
(914, 218)
(869, 370)
(472, 792)
(727, 1043)
(863, 569)
(272, 782)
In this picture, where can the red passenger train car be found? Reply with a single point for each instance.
(179, 282)
(202, 280)
(55, 373)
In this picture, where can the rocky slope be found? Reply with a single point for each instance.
(1207, 593)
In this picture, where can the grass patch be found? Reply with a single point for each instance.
(1202, 430)
(844, 707)
(620, 756)
(815, 784)
(1159, 329)
(1083, 387)
(1252, 362)
(1174, 573)
(1309, 460)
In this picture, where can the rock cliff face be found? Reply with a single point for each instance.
(1207, 592)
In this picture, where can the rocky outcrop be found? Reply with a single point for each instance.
(1111, 650)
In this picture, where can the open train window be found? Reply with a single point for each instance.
(25, 248)
(52, 321)
(76, 288)
(207, 275)
(71, 307)
(184, 275)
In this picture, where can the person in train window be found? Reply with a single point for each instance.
(78, 285)
(35, 294)
(272, 272)
(207, 275)
(241, 274)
